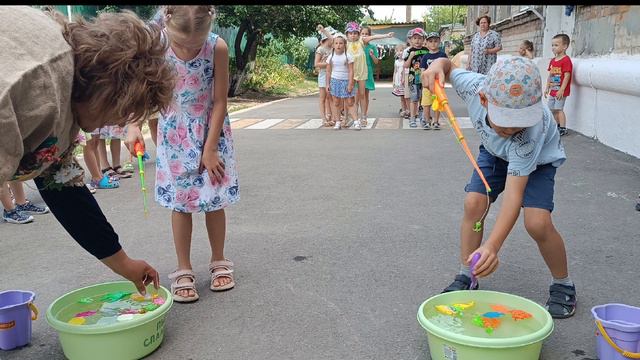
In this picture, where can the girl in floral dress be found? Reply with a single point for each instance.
(196, 167)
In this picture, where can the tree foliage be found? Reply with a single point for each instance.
(439, 15)
(282, 22)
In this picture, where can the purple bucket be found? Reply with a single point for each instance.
(619, 336)
(16, 308)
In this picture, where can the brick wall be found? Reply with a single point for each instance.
(601, 30)
(528, 27)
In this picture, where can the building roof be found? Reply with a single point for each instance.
(399, 23)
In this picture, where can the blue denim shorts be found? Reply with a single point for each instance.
(537, 194)
(416, 92)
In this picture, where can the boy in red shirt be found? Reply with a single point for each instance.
(559, 81)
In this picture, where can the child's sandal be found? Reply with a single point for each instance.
(121, 173)
(227, 271)
(175, 287)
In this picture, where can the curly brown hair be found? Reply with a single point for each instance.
(120, 66)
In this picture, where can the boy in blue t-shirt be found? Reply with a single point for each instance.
(519, 155)
(433, 45)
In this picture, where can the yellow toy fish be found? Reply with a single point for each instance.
(446, 309)
(464, 306)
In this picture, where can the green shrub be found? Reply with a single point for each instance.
(270, 75)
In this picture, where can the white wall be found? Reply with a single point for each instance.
(605, 99)
(556, 22)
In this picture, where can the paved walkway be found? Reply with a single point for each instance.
(338, 237)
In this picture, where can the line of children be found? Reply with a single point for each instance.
(433, 45)
(559, 81)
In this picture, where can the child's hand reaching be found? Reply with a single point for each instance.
(213, 165)
(488, 262)
(138, 272)
(133, 135)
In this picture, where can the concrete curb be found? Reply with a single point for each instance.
(268, 103)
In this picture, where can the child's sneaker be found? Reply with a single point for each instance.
(412, 123)
(31, 209)
(436, 126)
(563, 131)
(426, 125)
(562, 301)
(338, 125)
(16, 217)
(461, 282)
(356, 125)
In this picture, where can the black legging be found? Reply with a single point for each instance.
(79, 213)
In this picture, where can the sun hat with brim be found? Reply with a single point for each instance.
(331, 30)
(340, 35)
(513, 88)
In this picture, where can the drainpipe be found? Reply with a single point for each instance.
(69, 12)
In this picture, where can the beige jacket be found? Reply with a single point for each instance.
(36, 77)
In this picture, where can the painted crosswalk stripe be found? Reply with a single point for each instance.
(288, 124)
(311, 124)
(265, 124)
(387, 123)
(243, 123)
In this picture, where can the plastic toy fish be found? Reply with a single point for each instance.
(464, 306)
(85, 300)
(447, 310)
(86, 314)
(138, 297)
(151, 307)
(77, 321)
(493, 315)
(158, 301)
(500, 308)
(520, 315)
(115, 296)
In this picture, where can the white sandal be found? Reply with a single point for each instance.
(227, 271)
(175, 287)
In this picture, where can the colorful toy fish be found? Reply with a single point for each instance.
(447, 310)
(115, 296)
(86, 314)
(85, 300)
(520, 315)
(500, 308)
(493, 315)
(77, 321)
(464, 306)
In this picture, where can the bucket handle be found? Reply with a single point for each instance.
(624, 353)
(34, 311)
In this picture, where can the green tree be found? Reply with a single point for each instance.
(283, 21)
(439, 15)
